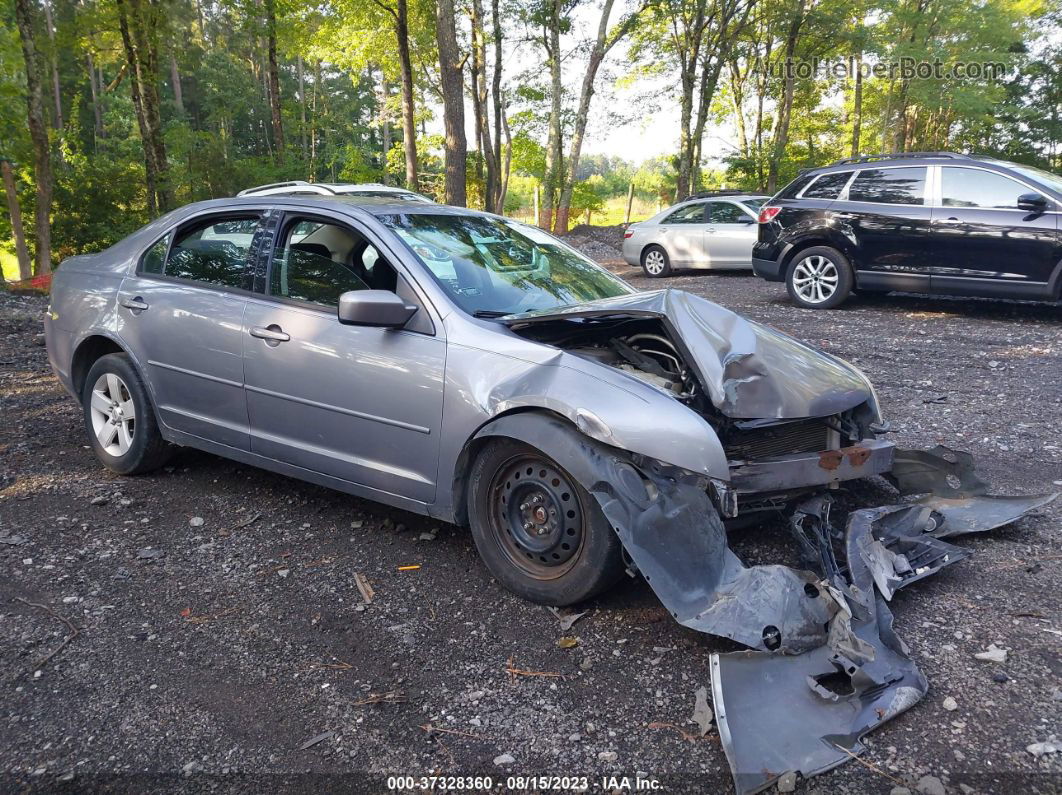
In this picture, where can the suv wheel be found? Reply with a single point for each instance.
(541, 534)
(655, 262)
(119, 418)
(819, 278)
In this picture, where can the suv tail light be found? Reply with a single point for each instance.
(768, 213)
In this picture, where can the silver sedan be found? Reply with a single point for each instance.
(700, 232)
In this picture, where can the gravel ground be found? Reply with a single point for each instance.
(221, 642)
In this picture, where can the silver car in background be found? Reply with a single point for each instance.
(708, 230)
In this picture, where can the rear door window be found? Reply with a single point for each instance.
(971, 187)
(725, 213)
(905, 185)
(690, 214)
(213, 251)
(827, 186)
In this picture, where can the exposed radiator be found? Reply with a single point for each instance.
(803, 436)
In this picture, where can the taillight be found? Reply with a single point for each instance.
(768, 213)
(628, 233)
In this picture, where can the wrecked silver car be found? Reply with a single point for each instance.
(480, 371)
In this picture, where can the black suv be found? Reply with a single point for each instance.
(924, 222)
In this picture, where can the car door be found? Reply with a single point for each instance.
(729, 235)
(358, 403)
(181, 316)
(884, 215)
(682, 235)
(983, 240)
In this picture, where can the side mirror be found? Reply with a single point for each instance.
(380, 308)
(1032, 202)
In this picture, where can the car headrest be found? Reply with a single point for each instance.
(317, 249)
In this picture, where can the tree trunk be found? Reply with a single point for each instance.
(302, 105)
(25, 267)
(501, 173)
(450, 74)
(554, 156)
(313, 122)
(409, 129)
(601, 46)
(96, 89)
(54, 62)
(785, 106)
(138, 21)
(385, 126)
(42, 163)
(175, 79)
(491, 157)
(857, 106)
(274, 81)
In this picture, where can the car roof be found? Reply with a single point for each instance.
(374, 205)
(905, 159)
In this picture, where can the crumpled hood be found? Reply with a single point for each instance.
(751, 371)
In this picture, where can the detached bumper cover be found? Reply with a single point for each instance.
(808, 712)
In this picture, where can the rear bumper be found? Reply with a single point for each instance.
(632, 250)
(804, 470)
(767, 269)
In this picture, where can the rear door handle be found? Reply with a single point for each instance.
(272, 333)
(709, 229)
(137, 304)
(948, 221)
(844, 216)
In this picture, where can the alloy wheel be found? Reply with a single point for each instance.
(113, 414)
(815, 279)
(655, 262)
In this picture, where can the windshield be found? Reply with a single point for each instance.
(494, 266)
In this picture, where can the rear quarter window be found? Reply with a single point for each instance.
(827, 186)
(794, 187)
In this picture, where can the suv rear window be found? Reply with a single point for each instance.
(794, 187)
(889, 185)
(827, 186)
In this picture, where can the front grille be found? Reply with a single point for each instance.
(803, 436)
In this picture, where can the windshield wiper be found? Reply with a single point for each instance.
(489, 313)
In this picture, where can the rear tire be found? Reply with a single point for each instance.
(655, 262)
(819, 278)
(540, 533)
(119, 418)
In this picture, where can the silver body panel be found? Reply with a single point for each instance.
(389, 414)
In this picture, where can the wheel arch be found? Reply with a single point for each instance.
(483, 435)
(790, 254)
(87, 353)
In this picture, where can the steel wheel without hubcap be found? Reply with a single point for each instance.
(113, 414)
(815, 279)
(655, 262)
(536, 517)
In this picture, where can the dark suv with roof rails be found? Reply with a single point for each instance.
(923, 222)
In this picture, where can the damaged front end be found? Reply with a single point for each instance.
(825, 667)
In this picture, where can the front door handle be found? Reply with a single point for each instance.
(710, 229)
(137, 304)
(271, 334)
(951, 220)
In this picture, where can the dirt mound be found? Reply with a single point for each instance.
(601, 243)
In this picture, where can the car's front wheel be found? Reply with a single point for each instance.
(119, 418)
(819, 278)
(541, 534)
(655, 262)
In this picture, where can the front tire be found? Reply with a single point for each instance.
(119, 418)
(819, 278)
(541, 534)
(655, 262)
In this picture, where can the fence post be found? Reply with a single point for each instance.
(630, 200)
